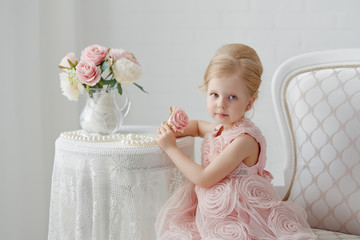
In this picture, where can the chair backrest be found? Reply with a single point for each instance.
(317, 104)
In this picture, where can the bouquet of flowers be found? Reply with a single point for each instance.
(98, 68)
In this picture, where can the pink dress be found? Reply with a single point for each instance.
(244, 205)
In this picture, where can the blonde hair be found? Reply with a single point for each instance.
(237, 59)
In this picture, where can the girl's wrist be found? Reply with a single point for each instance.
(171, 149)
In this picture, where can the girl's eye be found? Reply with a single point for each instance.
(214, 95)
(233, 97)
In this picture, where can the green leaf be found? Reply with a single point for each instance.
(140, 87)
(62, 67)
(71, 64)
(171, 111)
(119, 89)
(99, 84)
(113, 84)
(109, 82)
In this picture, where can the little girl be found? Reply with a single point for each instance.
(230, 196)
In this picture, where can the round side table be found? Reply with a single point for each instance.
(111, 187)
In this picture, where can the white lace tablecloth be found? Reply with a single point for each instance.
(110, 187)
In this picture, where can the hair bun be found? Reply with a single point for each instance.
(238, 59)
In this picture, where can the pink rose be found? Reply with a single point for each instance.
(115, 54)
(258, 191)
(71, 57)
(219, 200)
(288, 221)
(88, 73)
(225, 228)
(178, 119)
(94, 53)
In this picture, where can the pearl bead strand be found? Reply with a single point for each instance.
(130, 139)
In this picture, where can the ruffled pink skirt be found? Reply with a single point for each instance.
(239, 207)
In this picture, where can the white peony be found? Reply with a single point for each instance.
(70, 85)
(126, 71)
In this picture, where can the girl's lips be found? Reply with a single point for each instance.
(222, 115)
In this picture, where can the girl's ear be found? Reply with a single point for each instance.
(250, 104)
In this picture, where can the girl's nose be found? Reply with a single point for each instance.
(221, 102)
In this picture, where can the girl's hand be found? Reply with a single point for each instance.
(166, 138)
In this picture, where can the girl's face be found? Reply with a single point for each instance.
(227, 99)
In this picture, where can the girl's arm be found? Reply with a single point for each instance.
(196, 128)
(244, 148)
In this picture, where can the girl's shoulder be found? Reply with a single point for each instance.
(244, 126)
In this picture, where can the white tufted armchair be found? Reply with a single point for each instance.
(317, 103)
